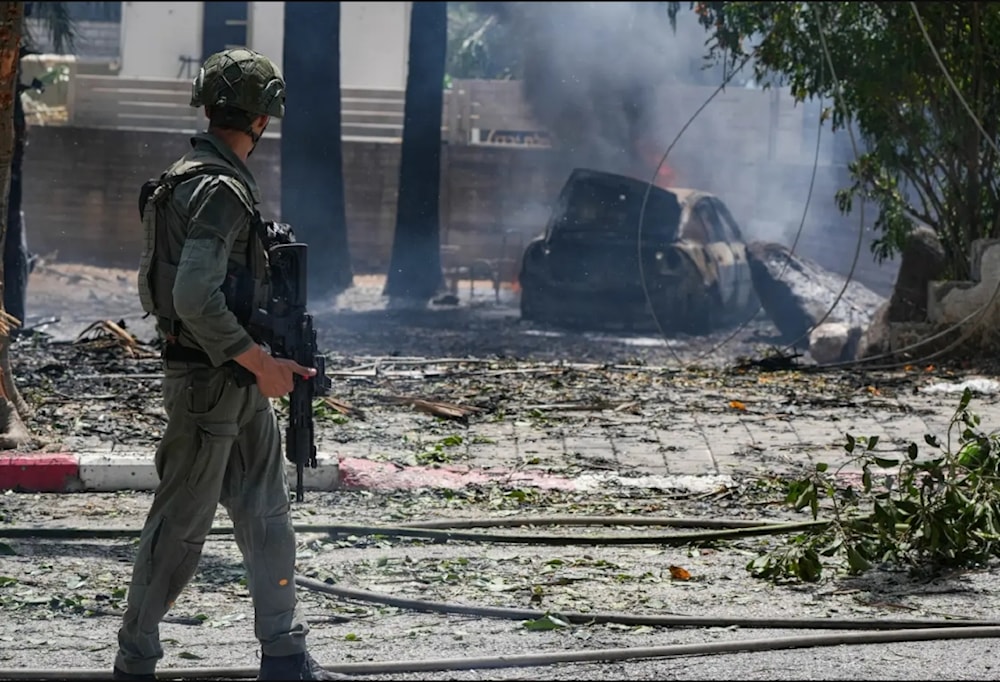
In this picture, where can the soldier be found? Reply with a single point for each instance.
(221, 442)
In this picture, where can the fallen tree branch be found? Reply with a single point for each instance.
(436, 408)
(344, 408)
(599, 406)
(107, 334)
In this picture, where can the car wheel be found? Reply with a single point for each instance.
(529, 303)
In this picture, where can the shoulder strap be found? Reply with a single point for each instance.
(188, 170)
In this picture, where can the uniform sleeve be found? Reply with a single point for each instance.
(219, 218)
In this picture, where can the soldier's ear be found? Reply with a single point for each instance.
(262, 121)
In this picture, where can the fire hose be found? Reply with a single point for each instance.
(549, 658)
(882, 631)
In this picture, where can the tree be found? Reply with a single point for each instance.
(925, 160)
(54, 17)
(13, 409)
(480, 43)
(312, 163)
(415, 264)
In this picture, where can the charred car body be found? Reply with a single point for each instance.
(584, 271)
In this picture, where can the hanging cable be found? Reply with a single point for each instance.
(795, 242)
(980, 311)
(663, 159)
(649, 188)
(869, 362)
(838, 101)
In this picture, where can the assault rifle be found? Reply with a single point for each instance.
(287, 329)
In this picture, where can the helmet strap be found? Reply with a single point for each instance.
(255, 137)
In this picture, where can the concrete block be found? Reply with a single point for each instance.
(952, 302)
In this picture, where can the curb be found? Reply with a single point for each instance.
(39, 473)
(67, 472)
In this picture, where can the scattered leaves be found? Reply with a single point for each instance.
(939, 512)
(546, 622)
(679, 573)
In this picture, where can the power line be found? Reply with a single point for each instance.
(649, 189)
(795, 242)
(838, 99)
(981, 310)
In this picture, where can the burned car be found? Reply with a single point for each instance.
(584, 270)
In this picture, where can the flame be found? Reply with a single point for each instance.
(666, 176)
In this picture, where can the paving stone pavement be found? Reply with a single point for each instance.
(674, 440)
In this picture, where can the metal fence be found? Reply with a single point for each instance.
(475, 112)
(163, 104)
(750, 124)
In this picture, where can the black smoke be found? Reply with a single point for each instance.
(593, 73)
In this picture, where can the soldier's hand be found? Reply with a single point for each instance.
(275, 376)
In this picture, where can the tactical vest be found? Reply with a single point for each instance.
(246, 286)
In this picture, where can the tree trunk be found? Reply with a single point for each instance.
(312, 163)
(12, 430)
(415, 266)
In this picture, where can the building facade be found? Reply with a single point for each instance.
(170, 39)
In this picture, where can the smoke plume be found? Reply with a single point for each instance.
(614, 84)
(594, 73)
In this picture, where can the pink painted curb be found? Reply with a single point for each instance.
(68, 472)
(49, 473)
(366, 474)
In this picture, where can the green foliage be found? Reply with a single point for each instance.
(441, 452)
(924, 159)
(928, 513)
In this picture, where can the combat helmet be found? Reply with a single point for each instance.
(243, 79)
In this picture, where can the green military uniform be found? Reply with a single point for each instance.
(221, 442)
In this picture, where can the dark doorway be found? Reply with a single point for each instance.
(225, 25)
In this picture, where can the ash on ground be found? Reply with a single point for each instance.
(65, 299)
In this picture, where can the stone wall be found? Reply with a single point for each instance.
(81, 187)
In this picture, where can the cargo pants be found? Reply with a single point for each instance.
(221, 444)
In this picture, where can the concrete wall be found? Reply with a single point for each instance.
(374, 39)
(156, 34)
(267, 35)
(81, 188)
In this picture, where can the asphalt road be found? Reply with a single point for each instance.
(51, 589)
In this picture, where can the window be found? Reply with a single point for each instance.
(93, 11)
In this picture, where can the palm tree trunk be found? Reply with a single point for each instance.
(12, 430)
(415, 265)
(312, 162)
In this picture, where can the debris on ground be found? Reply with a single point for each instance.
(436, 408)
(978, 385)
(105, 334)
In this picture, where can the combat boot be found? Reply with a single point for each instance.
(120, 674)
(295, 667)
